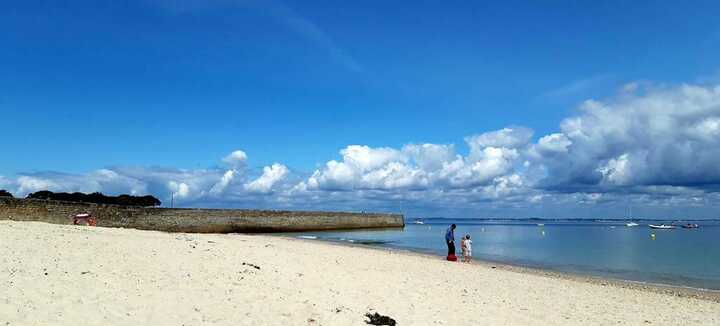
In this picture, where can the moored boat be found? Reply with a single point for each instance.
(690, 226)
(661, 226)
(632, 224)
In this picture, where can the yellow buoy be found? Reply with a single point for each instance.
(652, 236)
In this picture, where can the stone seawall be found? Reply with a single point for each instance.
(193, 220)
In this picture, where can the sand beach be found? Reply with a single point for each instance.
(72, 275)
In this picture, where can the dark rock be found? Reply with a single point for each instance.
(378, 319)
(251, 265)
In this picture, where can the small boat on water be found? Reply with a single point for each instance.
(630, 217)
(662, 226)
(418, 222)
(690, 226)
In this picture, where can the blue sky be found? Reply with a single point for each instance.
(89, 86)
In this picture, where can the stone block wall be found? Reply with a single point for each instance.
(193, 220)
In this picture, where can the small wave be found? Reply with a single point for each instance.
(307, 237)
(371, 242)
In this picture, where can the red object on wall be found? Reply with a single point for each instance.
(84, 219)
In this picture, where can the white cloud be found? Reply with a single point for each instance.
(666, 136)
(226, 179)
(236, 158)
(179, 189)
(430, 157)
(616, 170)
(28, 184)
(422, 166)
(335, 176)
(361, 167)
(552, 144)
(662, 137)
(706, 130)
(5, 182)
(365, 158)
(658, 146)
(270, 177)
(511, 137)
(395, 175)
(487, 164)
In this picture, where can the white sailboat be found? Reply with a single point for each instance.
(630, 224)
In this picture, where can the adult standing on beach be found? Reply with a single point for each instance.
(450, 240)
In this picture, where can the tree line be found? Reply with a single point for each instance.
(96, 198)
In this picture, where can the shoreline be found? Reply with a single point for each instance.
(76, 275)
(661, 288)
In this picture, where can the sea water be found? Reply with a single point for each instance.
(681, 257)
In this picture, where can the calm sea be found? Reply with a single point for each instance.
(683, 257)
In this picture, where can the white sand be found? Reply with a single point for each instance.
(102, 276)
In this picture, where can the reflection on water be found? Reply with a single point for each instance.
(689, 257)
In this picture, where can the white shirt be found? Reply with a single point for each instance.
(468, 245)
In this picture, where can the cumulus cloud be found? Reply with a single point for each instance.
(643, 140)
(224, 182)
(99, 180)
(666, 136)
(507, 137)
(395, 175)
(180, 189)
(5, 182)
(423, 166)
(361, 167)
(429, 157)
(188, 186)
(659, 146)
(235, 159)
(271, 176)
(550, 145)
(31, 184)
(365, 158)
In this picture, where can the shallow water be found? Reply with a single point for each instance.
(683, 257)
